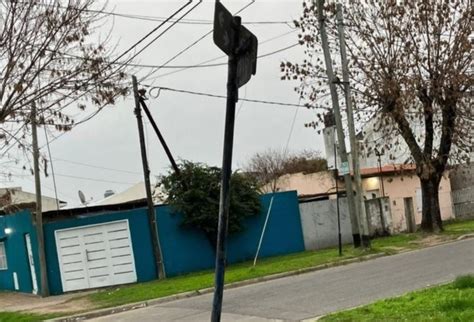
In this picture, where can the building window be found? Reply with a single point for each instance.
(3, 257)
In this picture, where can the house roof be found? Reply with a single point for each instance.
(135, 192)
(131, 198)
(54, 215)
(387, 169)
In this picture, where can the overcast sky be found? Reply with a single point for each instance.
(192, 125)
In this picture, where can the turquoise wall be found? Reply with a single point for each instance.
(15, 246)
(283, 234)
(141, 242)
(184, 249)
(187, 250)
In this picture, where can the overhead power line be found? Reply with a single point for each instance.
(204, 63)
(159, 88)
(199, 65)
(208, 65)
(123, 54)
(71, 176)
(168, 28)
(87, 118)
(193, 43)
(97, 167)
(183, 21)
(152, 31)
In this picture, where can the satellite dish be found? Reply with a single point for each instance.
(82, 197)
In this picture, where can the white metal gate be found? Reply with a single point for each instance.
(95, 256)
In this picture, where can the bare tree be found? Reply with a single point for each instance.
(412, 70)
(268, 166)
(51, 56)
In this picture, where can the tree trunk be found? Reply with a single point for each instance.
(431, 215)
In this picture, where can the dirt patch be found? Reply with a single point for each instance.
(431, 240)
(53, 304)
(72, 306)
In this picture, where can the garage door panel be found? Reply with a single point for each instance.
(70, 241)
(71, 250)
(119, 252)
(100, 280)
(73, 266)
(73, 257)
(74, 248)
(68, 234)
(96, 256)
(119, 243)
(93, 237)
(99, 261)
(120, 259)
(117, 234)
(94, 243)
(99, 271)
(76, 284)
(125, 277)
(121, 269)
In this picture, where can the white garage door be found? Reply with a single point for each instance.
(95, 256)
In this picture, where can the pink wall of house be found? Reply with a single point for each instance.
(308, 184)
(396, 187)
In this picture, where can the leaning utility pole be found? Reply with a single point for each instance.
(359, 199)
(155, 239)
(39, 211)
(340, 131)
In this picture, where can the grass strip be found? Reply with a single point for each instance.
(451, 302)
(26, 317)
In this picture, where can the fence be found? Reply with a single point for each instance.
(319, 223)
(463, 202)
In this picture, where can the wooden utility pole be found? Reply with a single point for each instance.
(39, 212)
(155, 239)
(340, 131)
(359, 199)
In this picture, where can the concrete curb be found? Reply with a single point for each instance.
(152, 302)
(462, 237)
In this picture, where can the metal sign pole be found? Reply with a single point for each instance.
(232, 94)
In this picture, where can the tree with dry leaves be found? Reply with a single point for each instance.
(52, 57)
(411, 71)
(268, 166)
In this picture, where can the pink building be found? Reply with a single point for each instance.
(399, 183)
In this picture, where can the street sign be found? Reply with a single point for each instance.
(247, 56)
(223, 32)
(246, 49)
(344, 168)
(241, 47)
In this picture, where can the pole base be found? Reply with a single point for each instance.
(365, 241)
(356, 239)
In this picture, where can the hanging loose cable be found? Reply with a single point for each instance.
(159, 88)
(52, 168)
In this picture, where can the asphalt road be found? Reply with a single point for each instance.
(318, 293)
